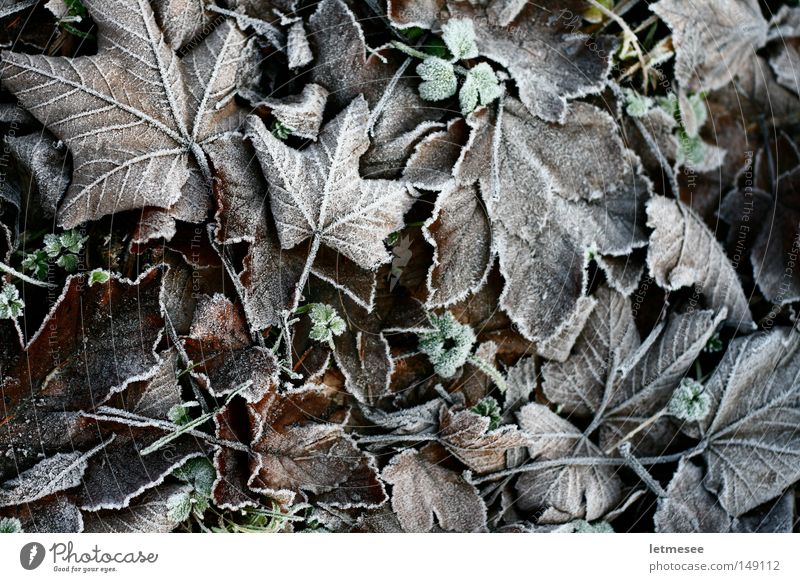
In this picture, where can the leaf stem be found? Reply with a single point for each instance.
(14, 273)
(649, 422)
(638, 468)
(583, 462)
(488, 369)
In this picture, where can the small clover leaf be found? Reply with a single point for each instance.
(459, 36)
(179, 414)
(690, 401)
(326, 323)
(199, 473)
(52, 245)
(636, 104)
(11, 306)
(714, 344)
(36, 262)
(439, 79)
(691, 150)
(480, 86)
(72, 241)
(68, 262)
(448, 345)
(99, 276)
(280, 130)
(489, 408)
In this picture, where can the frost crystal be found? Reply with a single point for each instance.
(10, 525)
(326, 323)
(459, 36)
(11, 305)
(481, 86)
(439, 79)
(448, 345)
(690, 401)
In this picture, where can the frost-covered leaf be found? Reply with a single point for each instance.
(468, 437)
(608, 339)
(301, 113)
(55, 514)
(45, 160)
(299, 445)
(317, 194)
(684, 252)
(752, 444)
(221, 349)
(423, 489)
(130, 150)
(481, 86)
(181, 20)
(438, 79)
(535, 43)
(51, 475)
(620, 380)
(95, 341)
(271, 276)
(567, 492)
(688, 507)
(547, 215)
(766, 222)
(298, 48)
(148, 514)
(712, 38)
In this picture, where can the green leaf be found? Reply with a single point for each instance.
(439, 79)
(11, 306)
(490, 408)
(179, 506)
(68, 262)
(99, 276)
(36, 262)
(690, 401)
(199, 473)
(52, 245)
(10, 525)
(72, 241)
(459, 36)
(326, 323)
(179, 414)
(448, 345)
(636, 104)
(480, 86)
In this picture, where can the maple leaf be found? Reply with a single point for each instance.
(317, 194)
(567, 492)
(424, 489)
(750, 443)
(299, 447)
(619, 379)
(712, 39)
(545, 214)
(131, 150)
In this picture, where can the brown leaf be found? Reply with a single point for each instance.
(422, 490)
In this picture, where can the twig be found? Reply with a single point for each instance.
(649, 422)
(638, 468)
(14, 273)
(630, 36)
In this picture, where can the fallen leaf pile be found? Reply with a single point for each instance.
(399, 266)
